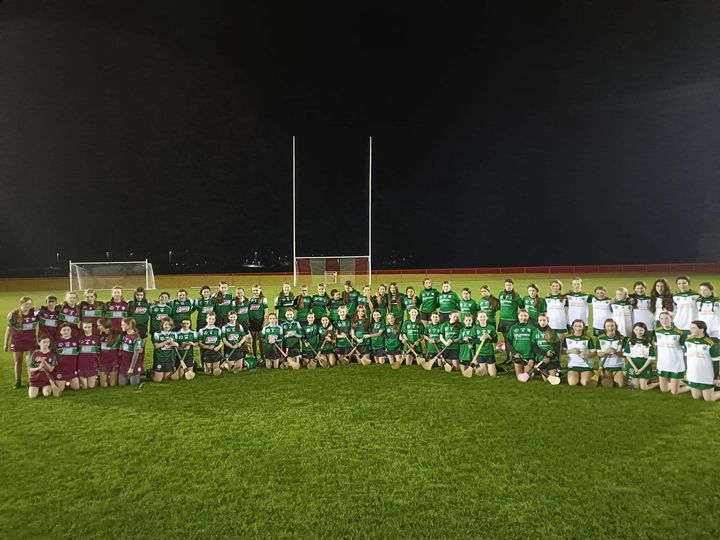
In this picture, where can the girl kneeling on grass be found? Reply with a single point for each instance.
(580, 348)
(488, 337)
(669, 343)
(703, 355)
(132, 354)
(450, 338)
(210, 341)
(519, 343)
(468, 343)
(432, 334)
(234, 338)
(311, 342)
(393, 351)
(640, 354)
(67, 350)
(359, 331)
(326, 337)
(609, 349)
(343, 345)
(546, 346)
(109, 360)
(165, 347)
(292, 334)
(41, 364)
(271, 337)
(411, 334)
(377, 337)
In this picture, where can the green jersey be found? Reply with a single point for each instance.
(158, 312)
(433, 331)
(311, 334)
(210, 336)
(534, 306)
(448, 302)
(363, 301)
(272, 334)
(303, 305)
(414, 332)
(292, 332)
(283, 302)
(485, 304)
(410, 302)
(467, 307)
(326, 338)
(225, 306)
(451, 332)
(333, 307)
(242, 308)
(397, 306)
(488, 347)
(351, 301)
(544, 340)
(519, 339)
(233, 334)
(378, 342)
(181, 310)
(469, 338)
(185, 338)
(256, 310)
(380, 303)
(166, 353)
(343, 327)
(319, 305)
(392, 338)
(510, 302)
(140, 311)
(203, 308)
(360, 328)
(428, 300)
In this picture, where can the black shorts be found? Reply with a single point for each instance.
(292, 352)
(164, 366)
(425, 316)
(451, 354)
(547, 366)
(142, 329)
(256, 325)
(504, 326)
(394, 352)
(377, 353)
(521, 361)
(307, 354)
(270, 352)
(220, 320)
(234, 354)
(444, 317)
(343, 350)
(485, 359)
(209, 357)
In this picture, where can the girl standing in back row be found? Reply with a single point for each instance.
(20, 335)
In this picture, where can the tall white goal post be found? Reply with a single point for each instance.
(333, 269)
(106, 275)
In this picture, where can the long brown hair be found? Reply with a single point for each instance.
(112, 335)
(17, 314)
(494, 302)
(538, 300)
(667, 298)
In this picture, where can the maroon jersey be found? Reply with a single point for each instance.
(22, 330)
(39, 378)
(88, 356)
(67, 356)
(48, 323)
(109, 354)
(70, 315)
(116, 312)
(129, 344)
(92, 313)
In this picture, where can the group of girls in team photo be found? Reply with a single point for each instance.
(636, 337)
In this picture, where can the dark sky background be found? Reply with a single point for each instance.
(518, 133)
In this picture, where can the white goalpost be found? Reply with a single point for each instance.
(106, 275)
(338, 268)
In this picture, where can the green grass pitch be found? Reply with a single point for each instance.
(359, 452)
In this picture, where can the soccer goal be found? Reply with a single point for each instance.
(335, 269)
(106, 275)
(332, 270)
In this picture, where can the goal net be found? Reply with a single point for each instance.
(331, 270)
(106, 275)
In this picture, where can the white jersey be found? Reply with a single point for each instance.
(701, 354)
(557, 313)
(577, 303)
(622, 314)
(641, 312)
(669, 349)
(585, 345)
(605, 342)
(686, 309)
(601, 312)
(709, 313)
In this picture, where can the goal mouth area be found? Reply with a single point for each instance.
(331, 270)
(106, 275)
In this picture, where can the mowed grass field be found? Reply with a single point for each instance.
(359, 452)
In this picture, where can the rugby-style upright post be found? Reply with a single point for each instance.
(370, 215)
(293, 202)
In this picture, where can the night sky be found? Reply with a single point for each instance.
(513, 134)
